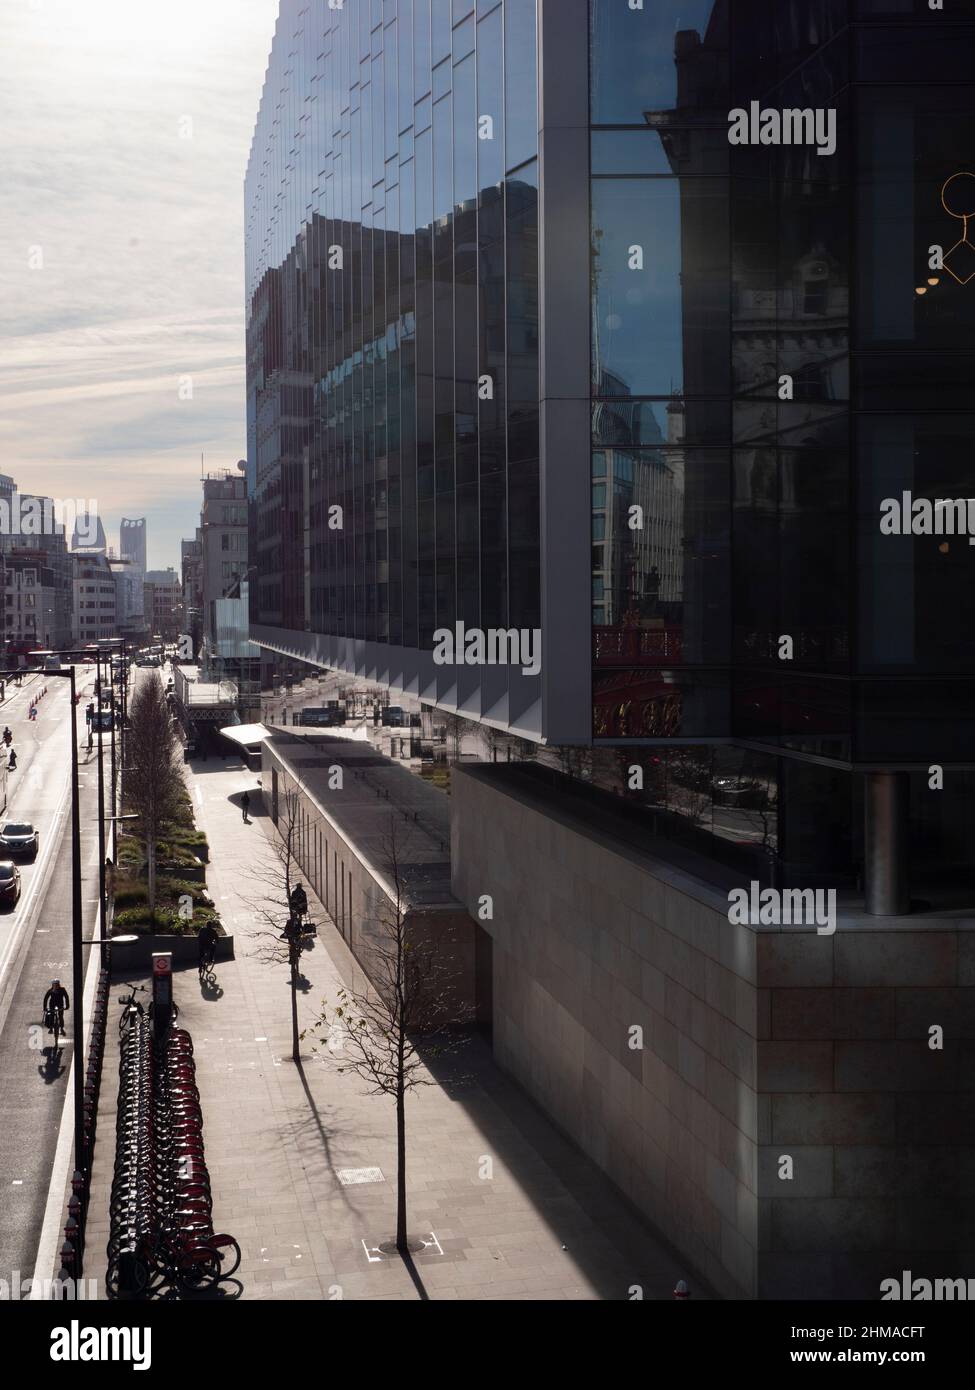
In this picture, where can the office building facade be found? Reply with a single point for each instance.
(162, 597)
(191, 561)
(412, 406)
(132, 547)
(226, 650)
(629, 323)
(95, 597)
(425, 308)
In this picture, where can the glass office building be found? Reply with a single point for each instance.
(781, 360)
(532, 344)
(392, 270)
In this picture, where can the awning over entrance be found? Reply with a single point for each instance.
(247, 735)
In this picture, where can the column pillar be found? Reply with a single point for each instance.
(886, 804)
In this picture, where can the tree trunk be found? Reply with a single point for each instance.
(295, 1053)
(151, 855)
(402, 1244)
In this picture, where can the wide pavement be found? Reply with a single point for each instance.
(506, 1208)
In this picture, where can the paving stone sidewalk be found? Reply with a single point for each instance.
(507, 1208)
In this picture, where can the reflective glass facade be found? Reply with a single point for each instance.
(520, 314)
(392, 285)
(720, 271)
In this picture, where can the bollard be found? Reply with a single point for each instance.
(67, 1258)
(681, 1290)
(77, 1181)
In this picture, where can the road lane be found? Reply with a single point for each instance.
(35, 945)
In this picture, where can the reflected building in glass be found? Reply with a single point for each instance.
(532, 344)
(393, 340)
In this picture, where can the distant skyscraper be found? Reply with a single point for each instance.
(132, 547)
(132, 541)
(86, 526)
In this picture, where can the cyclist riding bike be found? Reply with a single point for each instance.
(207, 941)
(55, 1001)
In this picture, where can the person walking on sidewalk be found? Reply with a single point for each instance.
(245, 805)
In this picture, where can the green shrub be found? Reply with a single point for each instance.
(129, 894)
(130, 851)
(177, 887)
(135, 919)
(132, 918)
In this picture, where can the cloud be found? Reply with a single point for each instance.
(126, 128)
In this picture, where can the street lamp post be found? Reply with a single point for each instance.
(77, 974)
(101, 802)
(115, 715)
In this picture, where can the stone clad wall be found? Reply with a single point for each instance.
(587, 944)
(761, 1044)
(880, 1128)
(356, 900)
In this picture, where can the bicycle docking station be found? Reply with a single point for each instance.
(162, 1236)
(162, 993)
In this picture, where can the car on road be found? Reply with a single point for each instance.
(18, 837)
(9, 881)
(321, 717)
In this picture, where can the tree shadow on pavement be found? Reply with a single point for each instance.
(322, 1132)
(414, 1274)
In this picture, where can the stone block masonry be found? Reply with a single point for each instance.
(767, 1097)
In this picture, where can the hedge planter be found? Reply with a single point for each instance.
(131, 957)
(193, 871)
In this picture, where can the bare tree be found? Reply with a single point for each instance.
(455, 727)
(383, 1034)
(154, 785)
(279, 939)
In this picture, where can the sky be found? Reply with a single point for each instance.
(125, 127)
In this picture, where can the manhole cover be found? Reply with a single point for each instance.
(350, 1176)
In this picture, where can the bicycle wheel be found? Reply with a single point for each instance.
(198, 1269)
(228, 1253)
(56, 1029)
(158, 1275)
(127, 1276)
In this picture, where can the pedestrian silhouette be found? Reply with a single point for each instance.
(245, 803)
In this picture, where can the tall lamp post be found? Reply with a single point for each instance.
(114, 817)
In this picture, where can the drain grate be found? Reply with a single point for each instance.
(348, 1177)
